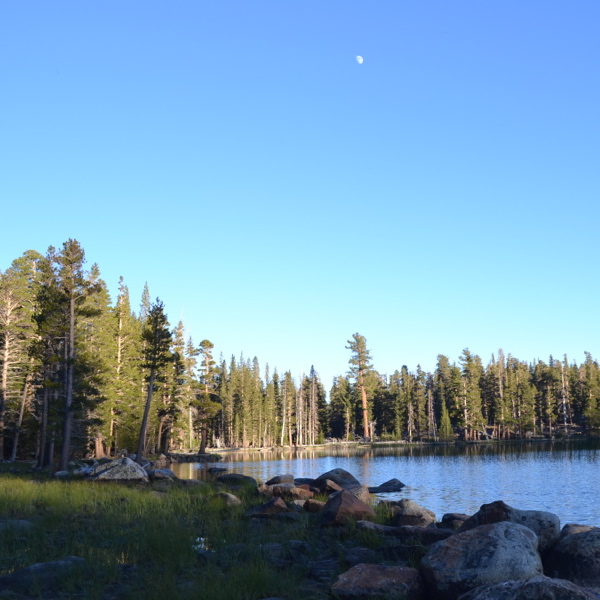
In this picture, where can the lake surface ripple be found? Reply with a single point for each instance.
(559, 477)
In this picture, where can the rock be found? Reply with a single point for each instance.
(274, 506)
(122, 469)
(570, 528)
(192, 482)
(326, 486)
(409, 534)
(313, 506)
(62, 474)
(304, 481)
(339, 476)
(266, 491)
(16, 525)
(229, 499)
(545, 525)
(355, 556)
(576, 557)
(485, 555)
(538, 587)
(156, 474)
(287, 478)
(393, 485)
(408, 512)
(238, 481)
(40, 576)
(344, 507)
(361, 492)
(290, 492)
(453, 520)
(366, 581)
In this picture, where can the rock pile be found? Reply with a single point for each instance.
(499, 553)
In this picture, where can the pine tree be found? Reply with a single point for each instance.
(157, 343)
(17, 295)
(207, 404)
(360, 363)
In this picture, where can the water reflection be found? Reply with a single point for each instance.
(559, 476)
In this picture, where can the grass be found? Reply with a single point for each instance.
(138, 542)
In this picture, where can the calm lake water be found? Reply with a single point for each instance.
(559, 477)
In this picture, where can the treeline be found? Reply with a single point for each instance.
(85, 376)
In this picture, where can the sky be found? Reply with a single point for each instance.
(278, 196)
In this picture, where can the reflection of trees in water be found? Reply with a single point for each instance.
(475, 449)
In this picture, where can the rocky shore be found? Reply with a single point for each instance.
(498, 553)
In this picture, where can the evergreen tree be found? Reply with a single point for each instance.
(157, 342)
(207, 404)
(360, 364)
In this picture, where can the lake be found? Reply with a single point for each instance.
(559, 477)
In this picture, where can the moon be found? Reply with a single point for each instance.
(360, 59)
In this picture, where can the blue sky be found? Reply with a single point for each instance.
(278, 196)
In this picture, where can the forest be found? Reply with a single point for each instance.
(86, 376)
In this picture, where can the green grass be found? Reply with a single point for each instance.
(140, 541)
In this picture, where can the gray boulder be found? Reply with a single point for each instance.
(40, 577)
(369, 581)
(340, 476)
(536, 588)
(393, 485)
(123, 469)
(286, 478)
(576, 557)
(408, 512)
(161, 474)
(485, 555)
(545, 525)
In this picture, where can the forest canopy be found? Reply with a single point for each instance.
(85, 375)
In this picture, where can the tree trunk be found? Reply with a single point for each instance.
(13, 454)
(68, 417)
(144, 426)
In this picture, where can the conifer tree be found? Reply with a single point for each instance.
(360, 363)
(157, 343)
(207, 404)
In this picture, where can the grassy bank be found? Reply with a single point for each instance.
(138, 540)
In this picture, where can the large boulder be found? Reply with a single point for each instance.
(408, 512)
(536, 588)
(366, 581)
(576, 557)
(340, 476)
(484, 555)
(344, 507)
(545, 525)
(40, 577)
(120, 469)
